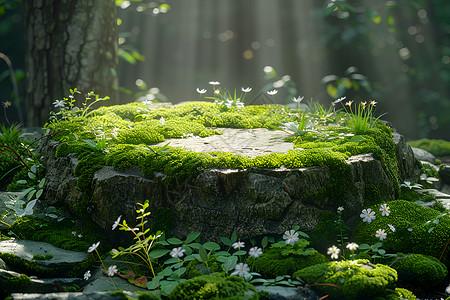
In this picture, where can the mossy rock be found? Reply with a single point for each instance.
(400, 294)
(415, 230)
(357, 279)
(277, 261)
(214, 287)
(436, 147)
(420, 270)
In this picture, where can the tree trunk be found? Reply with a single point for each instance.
(70, 44)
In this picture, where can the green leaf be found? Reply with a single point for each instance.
(125, 55)
(211, 246)
(39, 193)
(264, 242)
(222, 253)
(229, 263)
(382, 251)
(171, 260)
(240, 252)
(179, 272)
(233, 237)
(158, 253)
(226, 241)
(357, 138)
(21, 181)
(31, 175)
(203, 254)
(192, 237)
(154, 284)
(303, 234)
(175, 241)
(41, 183)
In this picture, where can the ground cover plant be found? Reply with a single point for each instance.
(373, 256)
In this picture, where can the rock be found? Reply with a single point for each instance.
(252, 201)
(423, 155)
(409, 167)
(444, 174)
(441, 197)
(288, 293)
(61, 261)
(14, 282)
(66, 296)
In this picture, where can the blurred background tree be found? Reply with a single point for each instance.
(394, 52)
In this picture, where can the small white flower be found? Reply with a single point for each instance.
(290, 237)
(298, 99)
(112, 270)
(391, 227)
(74, 232)
(93, 247)
(217, 92)
(239, 104)
(238, 245)
(214, 83)
(241, 270)
(59, 103)
(201, 91)
(410, 229)
(334, 252)
(177, 252)
(352, 246)
(340, 208)
(80, 235)
(255, 252)
(368, 215)
(272, 92)
(339, 100)
(116, 223)
(246, 90)
(381, 233)
(385, 210)
(87, 275)
(162, 121)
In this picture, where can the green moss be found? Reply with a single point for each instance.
(18, 281)
(214, 287)
(436, 147)
(282, 261)
(28, 267)
(357, 279)
(398, 294)
(419, 270)
(148, 296)
(414, 230)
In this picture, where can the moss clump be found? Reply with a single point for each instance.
(436, 147)
(415, 230)
(400, 294)
(18, 281)
(148, 296)
(214, 287)
(358, 279)
(420, 270)
(42, 257)
(278, 261)
(28, 267)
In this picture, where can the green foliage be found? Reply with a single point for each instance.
(354, 279)
(18, 281)
(435, 147)
(42, 257)
(419, 270)
(326, 231)
(214, 287)
(418, 229)
(28, 267)
(276, 261)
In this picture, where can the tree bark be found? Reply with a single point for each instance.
(70, 44)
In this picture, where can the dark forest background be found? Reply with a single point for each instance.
(394, 52)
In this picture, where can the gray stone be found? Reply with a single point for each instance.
(45, 285)
(408, 165)
(61, 261)
(101, 283)
(423, 155)
(288, 293)
(216, 202)
(65, 296)
(444, 174)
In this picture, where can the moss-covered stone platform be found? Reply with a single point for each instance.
(223, 169)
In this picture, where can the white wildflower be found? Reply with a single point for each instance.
(241, 270)
(255, 252)
(334, 252)
(177, 252)
(368, 215)
(290, 237)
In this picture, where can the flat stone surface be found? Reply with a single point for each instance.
(65, 296)
(424, 155)
(247, 142)
(26, 249)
